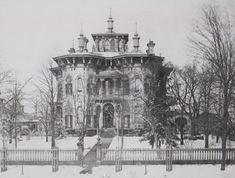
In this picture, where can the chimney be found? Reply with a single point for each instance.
(150, 50)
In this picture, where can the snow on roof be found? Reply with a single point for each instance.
(107, 54)
(27, 117)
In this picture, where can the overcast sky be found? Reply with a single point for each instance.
(34, 31)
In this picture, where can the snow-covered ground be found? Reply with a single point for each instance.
(129, 143)
(65, 143)
(153, 171)
(135, 143)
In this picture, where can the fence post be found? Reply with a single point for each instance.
(80, 153)
(118, 161)
(4, 159)
(168, 158)
(55, 159)
(98, 151)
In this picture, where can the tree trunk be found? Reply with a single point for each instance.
(206, 140)
(224, 132)
(223, 150)
(46, 135)
(217, 138)
(10, 139)
(53, 133)
(182, 137)
(156, 140)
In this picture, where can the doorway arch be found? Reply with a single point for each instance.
(108, 114)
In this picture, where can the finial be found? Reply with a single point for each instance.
(81, 29)
(136, 32)
(73, 43)
(110, 22)
(110, 13)
(151, 45)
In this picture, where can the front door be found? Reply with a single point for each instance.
(108, 114)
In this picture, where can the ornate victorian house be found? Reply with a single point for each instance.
(99, 87)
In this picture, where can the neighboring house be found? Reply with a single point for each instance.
(28, 122)
(99, 87)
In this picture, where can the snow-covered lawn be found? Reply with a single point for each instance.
(65, 143)
(201, 143)
(153, 171)
(135, 143)
(129, 143)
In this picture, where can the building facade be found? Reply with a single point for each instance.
(99, 88)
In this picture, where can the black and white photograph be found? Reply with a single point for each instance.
(117, 88)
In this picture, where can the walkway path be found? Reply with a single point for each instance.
(90, 157)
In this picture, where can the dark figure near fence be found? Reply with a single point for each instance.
(151, 141)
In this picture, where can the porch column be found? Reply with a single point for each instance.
(92, 121)
(101, 118)
(107, 85)
(114, 86)
(101, 88)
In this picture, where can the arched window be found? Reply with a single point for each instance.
(101, 45)
(68, 85)
(107, 45)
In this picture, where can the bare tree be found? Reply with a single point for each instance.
(154, 104)
(47, 90)
(184, 87)
(13, 108)
(82, 103)
(214, 43)
(208, 120)
(5, 80)
(42, 111)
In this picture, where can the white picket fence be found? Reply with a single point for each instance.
(158, 155)
(199, 154)
(21, 155)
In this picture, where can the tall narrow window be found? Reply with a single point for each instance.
(71, 122)
(137, 84)
(112, 45)
(127, 121)
(68, 86)
(79, 84)
(68, 121)
(60, 91)
(126, 87)
(147, 86)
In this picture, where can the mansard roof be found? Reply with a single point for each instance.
(106, 55)
(113, 34)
